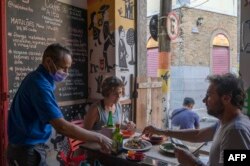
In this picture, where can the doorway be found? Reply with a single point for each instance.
(220, 60)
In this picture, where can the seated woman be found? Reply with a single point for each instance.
(97, 115)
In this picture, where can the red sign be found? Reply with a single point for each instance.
(172, 25)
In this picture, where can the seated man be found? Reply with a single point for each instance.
(224, 100)
(185, 118)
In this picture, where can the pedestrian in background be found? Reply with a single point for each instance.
(185, 118)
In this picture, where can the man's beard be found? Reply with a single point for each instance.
(217, 111)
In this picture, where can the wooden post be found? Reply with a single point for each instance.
(149, 109)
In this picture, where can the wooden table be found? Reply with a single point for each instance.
(153, 157)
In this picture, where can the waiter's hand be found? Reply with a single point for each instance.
(105, 143)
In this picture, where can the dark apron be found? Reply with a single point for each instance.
(27, 155)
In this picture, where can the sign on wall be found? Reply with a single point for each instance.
(172, 25)
(31, 27)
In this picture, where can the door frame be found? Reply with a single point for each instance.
(3, 84)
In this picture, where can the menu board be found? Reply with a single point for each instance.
(34, 24)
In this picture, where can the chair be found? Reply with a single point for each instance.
(72, 158)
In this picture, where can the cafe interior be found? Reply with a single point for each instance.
(107, 38)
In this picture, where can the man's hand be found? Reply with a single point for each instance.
(150, 130)
(185, 157)
(131, 126)
(105, 143)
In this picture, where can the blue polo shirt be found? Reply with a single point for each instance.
(184, 118)
(33, 106)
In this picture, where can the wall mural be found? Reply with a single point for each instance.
(122, 50)
(109, 38)
(131, 42)
(101, 44)
(125, 42)
(123, 78)
(95, 30)
(111, 43)
(165, 77)
(99, 80)
(165, 119)
(128, 8)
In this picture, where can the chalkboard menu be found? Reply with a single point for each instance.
(34, 24)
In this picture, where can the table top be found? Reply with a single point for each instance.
(154, 156)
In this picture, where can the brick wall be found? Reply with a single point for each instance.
(194, 49)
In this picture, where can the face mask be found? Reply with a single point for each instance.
(59, 76)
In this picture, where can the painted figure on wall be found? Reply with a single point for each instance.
(122, 51)
(128, 9)
(93, 26)
(130, 37)
(99, 80)
(109, 38)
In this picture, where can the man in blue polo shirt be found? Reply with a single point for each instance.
(34, 111)
(185, 118)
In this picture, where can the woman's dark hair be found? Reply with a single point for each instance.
(229, 84)
(110, 84)
(56, 51)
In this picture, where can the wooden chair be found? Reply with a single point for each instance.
(72, 158)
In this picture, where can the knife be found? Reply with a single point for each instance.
(197, 150)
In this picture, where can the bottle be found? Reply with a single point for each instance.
(110, 123)
(117, 140)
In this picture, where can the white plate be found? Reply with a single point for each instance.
(147, 144)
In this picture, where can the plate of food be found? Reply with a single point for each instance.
(136, 144)
(169, 147)
(154, 139)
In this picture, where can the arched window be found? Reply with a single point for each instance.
(220, 55)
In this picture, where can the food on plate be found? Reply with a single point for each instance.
(133, 155)
(135, 144)
(168, 146)
(156, 138)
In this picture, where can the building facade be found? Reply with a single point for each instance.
(206, 44)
